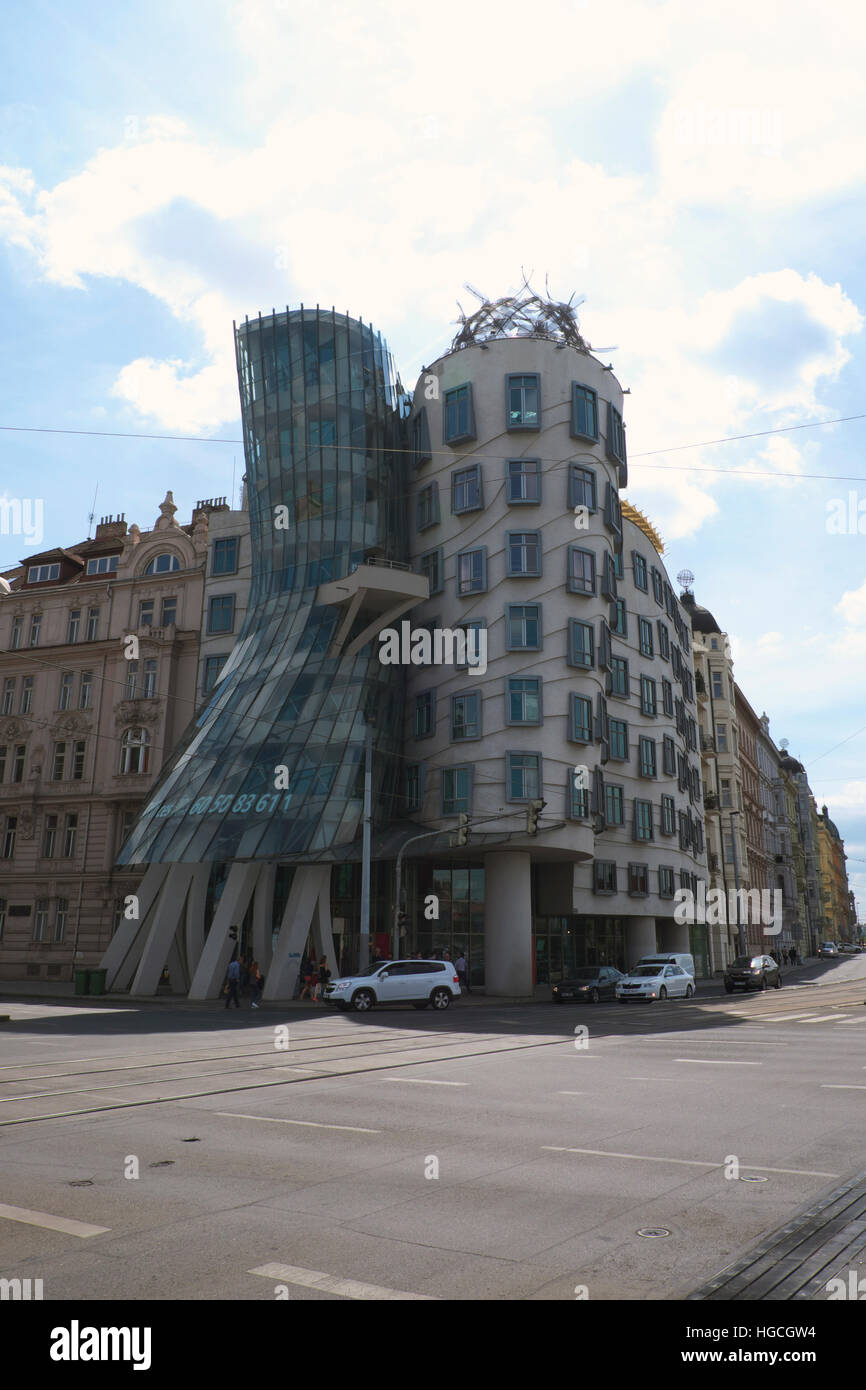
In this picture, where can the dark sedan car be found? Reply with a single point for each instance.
(589, 984)
(752, 972)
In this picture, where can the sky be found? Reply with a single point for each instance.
(696, 179)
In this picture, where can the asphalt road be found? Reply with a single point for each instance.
(485, 1153)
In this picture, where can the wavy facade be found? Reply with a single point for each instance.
(326, 483)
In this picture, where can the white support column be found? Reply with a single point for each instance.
(310, 883)
(176, 968)
(124, 950)
(211, 969)
(263, 914)
(508, 924)
(166, 918)
(196, 905)
(323, 939)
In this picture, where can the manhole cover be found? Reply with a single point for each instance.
(650, 1232)
(82, 1182)
(749, 1178)
(162, 1163)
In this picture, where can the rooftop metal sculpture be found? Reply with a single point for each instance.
(523, 315)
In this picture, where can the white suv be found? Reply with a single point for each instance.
(416, 982)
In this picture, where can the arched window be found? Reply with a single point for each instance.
(135, 751)
(163, 564)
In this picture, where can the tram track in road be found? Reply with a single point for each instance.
(388, 1062)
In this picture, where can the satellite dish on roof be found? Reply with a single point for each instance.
(5, 586)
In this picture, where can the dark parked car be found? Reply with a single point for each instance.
(589, 984)
(752, 972)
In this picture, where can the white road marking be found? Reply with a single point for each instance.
(574, 1093)
(51, 1223)
(785, 1018)
(716, 1062)
(422, 1081)
(855, 1020)
(688, 1162)
(823, 1018)
(309, 1124)
(840, 1086)
(329, 1283)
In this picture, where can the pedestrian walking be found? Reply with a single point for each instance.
(324, 977)
(311, 976)
(258, 981)
(793, 955)
(233, 974)
(460, 967)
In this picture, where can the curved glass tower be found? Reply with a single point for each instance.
(273, 767)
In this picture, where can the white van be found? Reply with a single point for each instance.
(685, 962)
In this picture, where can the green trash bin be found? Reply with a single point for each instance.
(82, 981)
(97, 981)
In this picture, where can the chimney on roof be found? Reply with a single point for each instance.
(212, 504)
(111, 527)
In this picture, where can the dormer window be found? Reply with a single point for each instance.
(42, 574)
(103, 564)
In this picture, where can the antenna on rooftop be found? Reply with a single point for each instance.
(92, 517)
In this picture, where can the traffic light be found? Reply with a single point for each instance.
(402, 921)
(534, 810)
(464, 831)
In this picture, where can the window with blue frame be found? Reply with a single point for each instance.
(523, 627)
(427, 507)
(430, 564)
(619, 623)
(414, 792)
(581, 718)
(221, 613)
(224, 555)
(667, 697)
(421, 450)
(584, 411)
(472, 571)
(582, 490)
(212, 667)
(664, 640)
(456, 790)
(648, 696)
(614, 804)
(523, 553)
(581, 570)
(647, 757)
(666, 881)
(658, 586)
(576, 799)
(466, 489)
(615, 435)
(523, 397)
(668, 825)
(639, 565)
(643, 820)
(522, 481)
(458, 415)
(619, 739)
(523, 700)
(581, 644)
(425, 714)
(669, 756)
(465, 716)
(608, 578)
(645, 631)
(619, 677)
(523, 776)
(612, 510)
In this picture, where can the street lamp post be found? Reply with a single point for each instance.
(364, 944)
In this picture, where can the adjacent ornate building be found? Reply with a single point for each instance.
(98, 658)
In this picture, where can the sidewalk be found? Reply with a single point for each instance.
(827, 1241)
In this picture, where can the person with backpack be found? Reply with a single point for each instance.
(324, 977)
